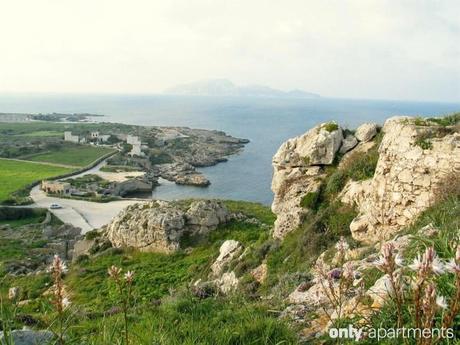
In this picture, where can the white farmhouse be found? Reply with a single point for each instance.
(69, 137)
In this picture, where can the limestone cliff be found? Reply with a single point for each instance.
(415, 159)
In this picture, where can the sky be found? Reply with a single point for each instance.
(378, 49)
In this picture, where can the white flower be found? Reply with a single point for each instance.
(58, 265)
(129, 276)
(441, 302)
(437, 266)
(452, 266)
(380, 263)
(416, 264)
(65, 303)
(399, 260)
(342, 245)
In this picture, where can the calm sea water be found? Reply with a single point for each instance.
(266, 122)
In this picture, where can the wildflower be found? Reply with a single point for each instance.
(13, 293)
(437, 266)
(58, 266)
(452, 266)
(65, 303)
(441, 302)
(342, 245)
(348, 272)
(428, 263)
(399, 260)
(129, 277)
(416, 264)
(114, 272)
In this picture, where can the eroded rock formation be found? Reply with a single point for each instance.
(414, 163)
(159, 225)
(298, 172)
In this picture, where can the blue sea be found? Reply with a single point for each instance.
(266, 122)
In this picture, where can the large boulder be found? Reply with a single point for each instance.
(159, 225)
(366, 131)
(348, 143)
(298, 172)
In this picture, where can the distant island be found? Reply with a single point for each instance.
(224, 87)
(52, 117)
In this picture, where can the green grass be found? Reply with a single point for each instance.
(42, 133)
(15, 175)
(164, 311)
(75, 155)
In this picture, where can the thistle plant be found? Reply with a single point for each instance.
(124, 285)
(60, 298)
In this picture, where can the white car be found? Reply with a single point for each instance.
(55, 206)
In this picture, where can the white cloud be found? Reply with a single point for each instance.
(403, 49)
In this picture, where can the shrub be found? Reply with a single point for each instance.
(310, 200)
(424, 143)
(331, 127)
(335, 182)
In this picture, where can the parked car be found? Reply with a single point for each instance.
(55, 206)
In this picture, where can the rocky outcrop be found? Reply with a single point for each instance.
(159, 225)
(134, 185)
(227, 252)
(181, 173)
(298, 172)
(414, 162)
(366, 131)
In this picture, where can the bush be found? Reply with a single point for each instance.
(331, 126)
(310, 200)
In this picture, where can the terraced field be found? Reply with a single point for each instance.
(15, 175)
(76, 156)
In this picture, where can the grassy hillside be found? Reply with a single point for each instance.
(15, 175)
(165, 310)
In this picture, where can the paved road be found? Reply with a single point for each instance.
(84, 214)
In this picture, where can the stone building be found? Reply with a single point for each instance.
(72, 138)
(56, 187)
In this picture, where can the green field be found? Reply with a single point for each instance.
(78, 155)
(41, 134)
(16, 175)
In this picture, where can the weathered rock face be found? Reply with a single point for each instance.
(316, 147)
(366, 131)
(205, 215)
(348, 143)
(406, 179)
(158, 226)
(297, 172)
(227, 252)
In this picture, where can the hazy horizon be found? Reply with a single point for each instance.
(381, 50)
